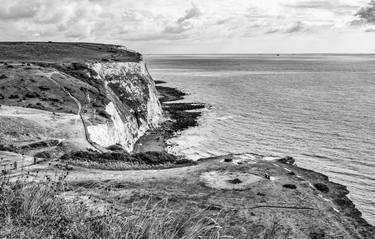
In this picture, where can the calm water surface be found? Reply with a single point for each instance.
(319, 109)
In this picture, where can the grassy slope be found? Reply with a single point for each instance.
(63, 52)
(39, 75)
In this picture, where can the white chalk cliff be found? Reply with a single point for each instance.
(133, 108)
(107, 89)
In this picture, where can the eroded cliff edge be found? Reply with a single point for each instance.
(81, 95)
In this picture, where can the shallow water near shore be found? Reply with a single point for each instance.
(319, 109)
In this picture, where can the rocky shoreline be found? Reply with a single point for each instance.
(180, 116)
(333, 193)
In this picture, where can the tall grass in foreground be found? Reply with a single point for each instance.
(39, 210)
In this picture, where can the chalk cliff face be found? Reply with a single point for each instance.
(133, 108)
(106, 89)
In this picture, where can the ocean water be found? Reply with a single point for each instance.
(320, 109)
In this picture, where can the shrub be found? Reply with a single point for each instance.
(321, 187)
(32, 95)
(13, 97)
(44, 155)
(115, 147)
(155, 158)
(290, 186)
(121, 160)
(104, 114)
(43, 88)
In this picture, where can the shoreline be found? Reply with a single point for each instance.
(179, 116)
(156, 140)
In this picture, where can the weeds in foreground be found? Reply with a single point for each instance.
(39, 210)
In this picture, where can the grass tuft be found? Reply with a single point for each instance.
(40, 210)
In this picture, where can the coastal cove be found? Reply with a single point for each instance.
(316, 108)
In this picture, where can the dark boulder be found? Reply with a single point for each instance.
(287, 160)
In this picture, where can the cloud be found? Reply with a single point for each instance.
(178, 28)
(335, 7)
(366, 14)
(297, 27)
(293, 28)
(189, 14)
(316, 4)
(18, 10)
(168, 21)
(183, 24)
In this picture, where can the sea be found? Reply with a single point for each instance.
(319, 109)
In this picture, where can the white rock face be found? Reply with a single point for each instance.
(134, 106)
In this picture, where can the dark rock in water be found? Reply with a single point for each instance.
(228, 160)
(287, 160)
(292, 173)
(291, 186)
(321, 187)
(235, 181)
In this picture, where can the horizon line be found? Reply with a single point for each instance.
(327, 53)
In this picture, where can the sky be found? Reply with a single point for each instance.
(197, 26)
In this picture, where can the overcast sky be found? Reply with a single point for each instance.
(197, 26)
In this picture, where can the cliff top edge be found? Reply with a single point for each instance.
(65, 52)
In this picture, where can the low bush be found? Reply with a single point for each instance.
(44, 155)
(32, 95)
(290, 186)
(104, 114)
(321, 187)
(43, 88)
(121, 160)
(115, 147)
(13, 97)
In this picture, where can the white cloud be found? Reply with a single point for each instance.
(158, 22)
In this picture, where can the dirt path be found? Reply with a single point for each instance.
(79, 105)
